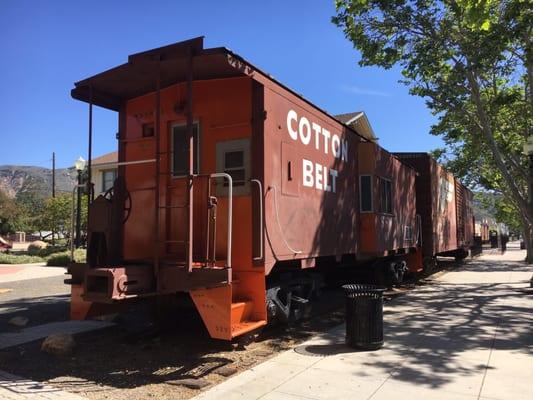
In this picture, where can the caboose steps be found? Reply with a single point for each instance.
(241, 318)
(244, 327)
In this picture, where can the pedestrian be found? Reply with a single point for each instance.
(504, 240)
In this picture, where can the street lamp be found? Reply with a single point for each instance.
(79, 164)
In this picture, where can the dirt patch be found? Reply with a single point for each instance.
(175, 363)
(171, 364)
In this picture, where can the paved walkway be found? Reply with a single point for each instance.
(466, 335)
(10, 339)
(20, 272)
(14, 387)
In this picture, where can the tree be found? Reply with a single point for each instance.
(472, 60)
(12, 216)
(30, 204)
(56, 215)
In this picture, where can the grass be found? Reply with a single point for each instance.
(60, 259)
(9, 258)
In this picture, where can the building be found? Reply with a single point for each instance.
(358, 121)
(104, 172)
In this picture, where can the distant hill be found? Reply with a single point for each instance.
(15, 179)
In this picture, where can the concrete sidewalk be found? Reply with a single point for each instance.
(20, 272)
(466, 335)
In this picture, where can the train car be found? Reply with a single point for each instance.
(389, 225)
(231, 187)
(445, 208)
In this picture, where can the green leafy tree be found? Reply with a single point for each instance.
(30, 203)
(56, 215)
(12, 215)
(472, 60)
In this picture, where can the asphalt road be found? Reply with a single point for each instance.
(41, 300)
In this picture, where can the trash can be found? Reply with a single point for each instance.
(364, 316)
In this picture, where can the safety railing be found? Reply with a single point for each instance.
(261, 237)
(230, 212)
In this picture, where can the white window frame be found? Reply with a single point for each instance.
(197, 150)
(371, 194)
(391, 197)
(115, 173)
(227, 146)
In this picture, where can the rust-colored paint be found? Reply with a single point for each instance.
(225, 319)
(79, 309)
(223, 112)
(436, 204)
(415, 260)
(382, 233)
(314, 222)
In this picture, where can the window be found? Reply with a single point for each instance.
(385, 196)
(234, 165)
(233, 158)
(180, 150)
(408, 233)
(108, 179)
(366, 193)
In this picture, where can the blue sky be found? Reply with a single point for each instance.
(48, 45)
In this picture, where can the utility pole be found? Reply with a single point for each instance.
(54, 174)
(53, 189)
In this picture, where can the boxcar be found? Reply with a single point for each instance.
(445, 208)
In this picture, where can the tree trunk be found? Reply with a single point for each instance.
(528, 236)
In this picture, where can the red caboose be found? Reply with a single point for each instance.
(226, 177)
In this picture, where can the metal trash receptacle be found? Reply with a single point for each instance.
(364, 316)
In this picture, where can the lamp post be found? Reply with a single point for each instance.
(79, 164)
(528, 150)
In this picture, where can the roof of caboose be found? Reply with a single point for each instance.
(111, 88)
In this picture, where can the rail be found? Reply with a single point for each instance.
(230, 210)
(72, 220)
(124, 163)
(261, 237)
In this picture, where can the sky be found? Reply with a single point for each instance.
(46, 46)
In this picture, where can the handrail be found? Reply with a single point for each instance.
(230, 210)
(72, 221)
(123, 163)
(261, 236)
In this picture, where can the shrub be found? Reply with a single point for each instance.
(35, 247)
(63, 259)
(9, 258)
(51, 250)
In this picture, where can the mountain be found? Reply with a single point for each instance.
(16, 180)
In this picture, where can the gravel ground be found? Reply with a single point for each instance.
(125, 362)
(134, 361)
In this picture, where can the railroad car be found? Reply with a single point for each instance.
(445, 208)
(232, 188)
